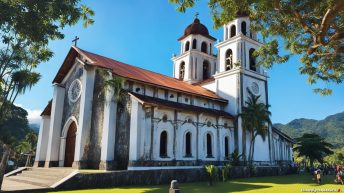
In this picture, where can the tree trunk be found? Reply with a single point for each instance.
(251, 149)
(3, 163)
(252, 153)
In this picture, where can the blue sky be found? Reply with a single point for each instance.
(144, 33)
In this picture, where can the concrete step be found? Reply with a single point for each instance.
(50, 172)
(32, 181)
(47, 173)
(40, 175)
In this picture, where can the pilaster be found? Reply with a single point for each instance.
(55, 126)
(85, 117)
(109, 132)
(42, 143)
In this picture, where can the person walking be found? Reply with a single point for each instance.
(318, 176)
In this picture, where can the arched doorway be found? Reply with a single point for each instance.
(70, 145)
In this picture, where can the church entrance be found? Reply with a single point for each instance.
(70, 145)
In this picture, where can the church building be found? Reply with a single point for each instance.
(152, 121)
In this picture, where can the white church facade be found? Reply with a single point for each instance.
(161, 122)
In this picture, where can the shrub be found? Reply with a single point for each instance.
(225, 171)
(212, 173)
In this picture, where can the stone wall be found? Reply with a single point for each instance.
(71, 108)
(94, 150)
(122, 133)
(155, 177)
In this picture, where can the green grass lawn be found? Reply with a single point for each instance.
(281, 184)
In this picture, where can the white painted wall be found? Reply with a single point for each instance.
(43, 137)
(55, 125)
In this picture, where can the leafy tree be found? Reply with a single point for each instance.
(313, 147)
(313, 29)
(336, 158)
(255, 119)
(26, 27)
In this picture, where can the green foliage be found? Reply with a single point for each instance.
(331, 128)
(312, 29)
(313, 147)
(225, 172)
(235, 158)
(26, 27)
(336, 158)
(15, 128)
(252, 169)
(211, 170)
(41, 21)
(255, 120)
(113, 84)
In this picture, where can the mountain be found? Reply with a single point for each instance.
(331, 128)
(34, 127)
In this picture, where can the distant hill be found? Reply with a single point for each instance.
(331, 128)
(34, 127)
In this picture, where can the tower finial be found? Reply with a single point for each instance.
(196, 15)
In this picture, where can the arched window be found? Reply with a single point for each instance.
(206, 69)
(229, 59)
(243, 28)
(194, 44)
(233, 31)
(252, 60)
(204, 47)
(187, 46)
(226, 147)
(182, 71)
(209, 146)
(188, 145)
(163, 144)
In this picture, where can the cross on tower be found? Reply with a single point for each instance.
(75, 40)
(197, 14)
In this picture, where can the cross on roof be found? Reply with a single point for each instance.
(75, 40)
(197, 14)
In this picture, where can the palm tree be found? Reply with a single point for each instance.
(313, 147)
(255, 120)
(114, 83)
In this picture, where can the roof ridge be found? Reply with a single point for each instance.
(145, 69)
(135, 73)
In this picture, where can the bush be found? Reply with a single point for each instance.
(211, 170)
(235, 158)
(225, 171)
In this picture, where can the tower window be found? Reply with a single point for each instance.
(188, 145)
(209, 146)
(187, 46)
(204, 47)
(229, 59)
(233, 31)
(252, 60)
(182, 71)
(194, 44)
(243, 28)
(226, 147)
(163, 144)
(206, 68)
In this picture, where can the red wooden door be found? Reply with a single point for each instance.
(70, 146)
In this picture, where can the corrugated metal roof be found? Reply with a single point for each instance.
(133, 73)
(185, 107)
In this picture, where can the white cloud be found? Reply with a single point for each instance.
(34, 115)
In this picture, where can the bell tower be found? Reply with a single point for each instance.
(238, 74)
(196, 61)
